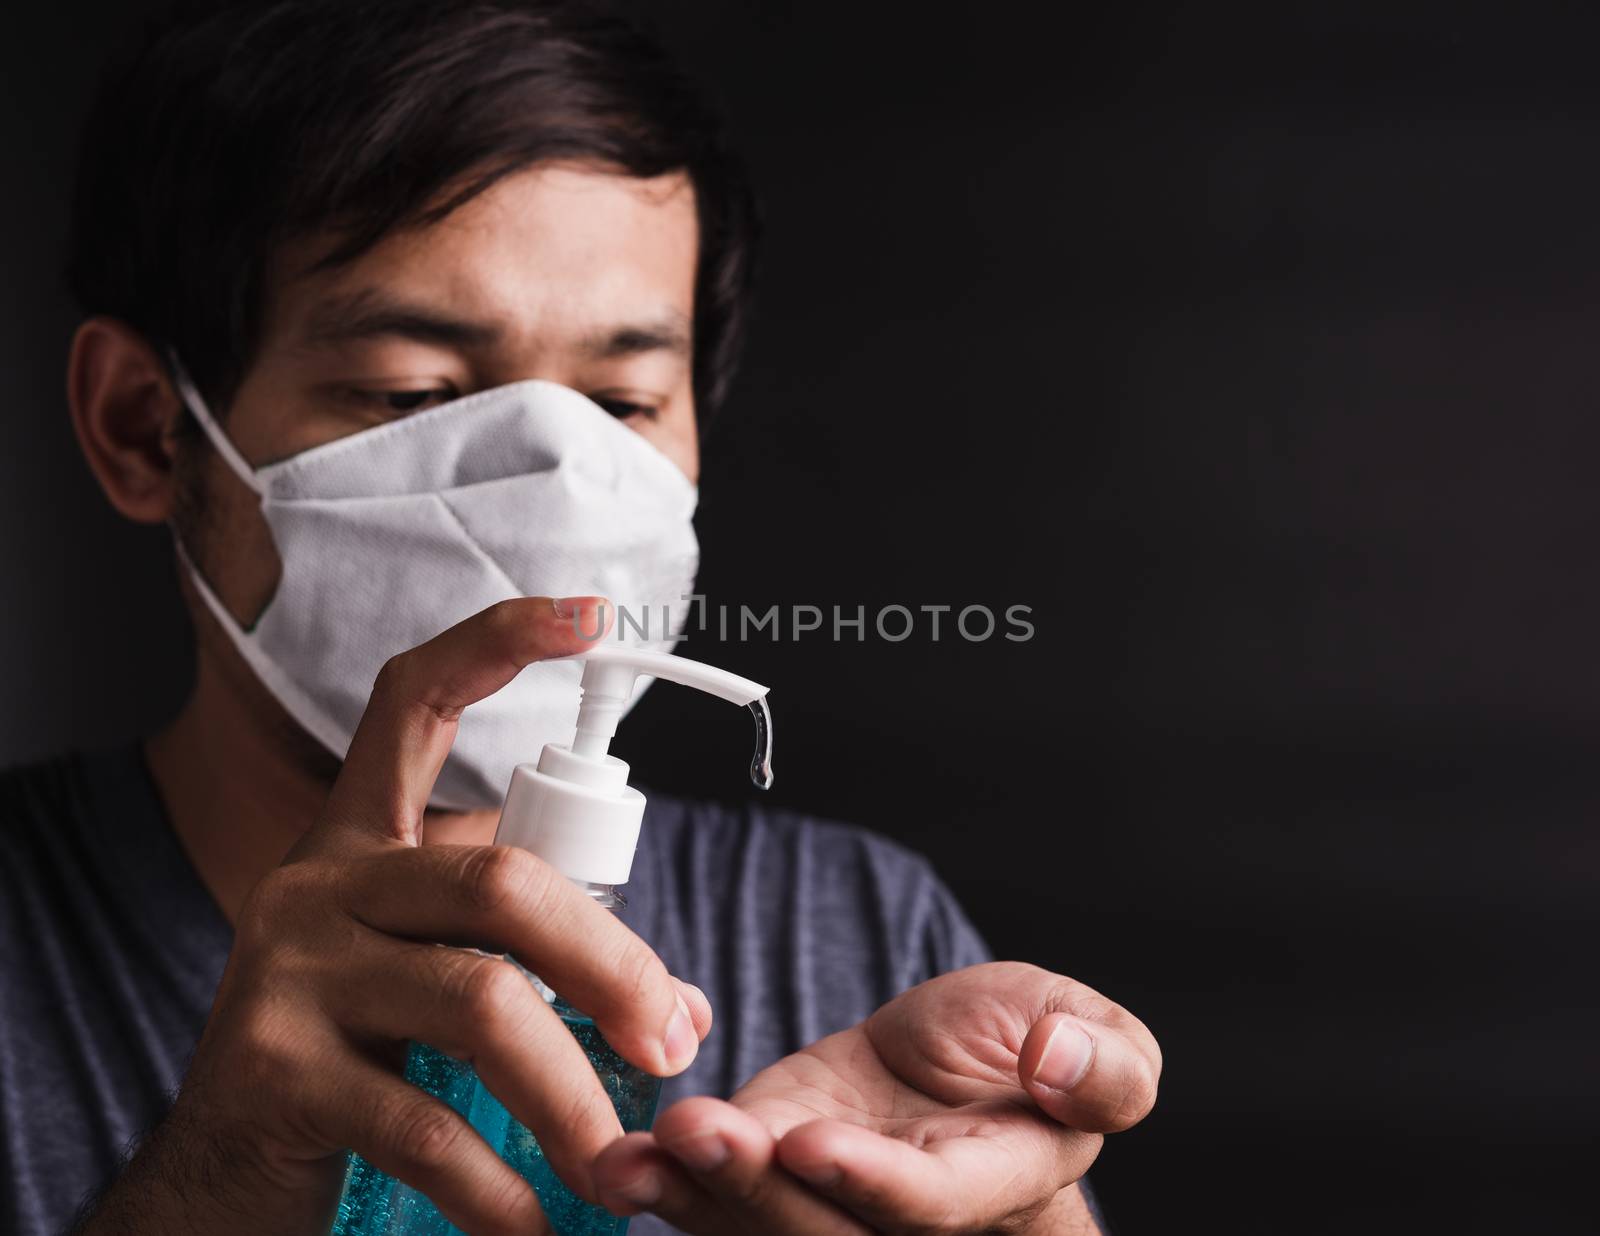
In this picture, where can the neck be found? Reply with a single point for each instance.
(241, 783)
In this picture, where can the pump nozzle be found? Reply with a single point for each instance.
(608, 682)
(575, 809)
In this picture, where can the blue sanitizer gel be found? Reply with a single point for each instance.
(375, 1204)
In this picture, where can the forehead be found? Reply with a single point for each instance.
(552, 251)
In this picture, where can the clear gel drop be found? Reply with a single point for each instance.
(761, 764)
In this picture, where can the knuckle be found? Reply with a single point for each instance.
(505, 627)
(278, 899)
(498, 877)
(255, 926)
(588, 1121)
(641, 977)
(264, 904)
(503, 617)
(266, 1047)
(516, 1205)
(426, 1133)
(490, 990)
(391, 674)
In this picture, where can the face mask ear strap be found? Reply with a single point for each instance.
(197, 406)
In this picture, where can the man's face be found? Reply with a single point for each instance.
(560, 272)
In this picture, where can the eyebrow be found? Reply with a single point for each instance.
(373, 315)
(668, 333)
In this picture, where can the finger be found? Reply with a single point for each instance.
(504, 899)
(410, 720)
(973, 1179)
(635, 1173)
(699, 1006)
(732, 1157)
(1087, 1074)
(481, 1009)
(423, 1143)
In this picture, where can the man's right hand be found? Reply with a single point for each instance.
(336, 966)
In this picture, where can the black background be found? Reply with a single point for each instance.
(1254, 349)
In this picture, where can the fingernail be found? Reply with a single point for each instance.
(702, 1152)
(641, 1190)
(571, 607)
(587, 614)
(681, 1041)
(1067, 1055)
(823, 1174)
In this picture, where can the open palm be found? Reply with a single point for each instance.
(940, 1112)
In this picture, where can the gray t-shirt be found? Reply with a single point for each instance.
(111, 950)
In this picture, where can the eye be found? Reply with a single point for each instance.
(410, 401)
(622, 408)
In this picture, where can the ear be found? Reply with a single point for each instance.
(126, 415)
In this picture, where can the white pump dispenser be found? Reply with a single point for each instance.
(575, 809)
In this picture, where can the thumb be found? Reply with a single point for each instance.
(1086, 1074)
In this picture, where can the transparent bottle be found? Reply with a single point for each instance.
(576, 811)
(376, 1204)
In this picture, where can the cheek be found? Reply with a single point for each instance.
(229, 538)
(675, 434)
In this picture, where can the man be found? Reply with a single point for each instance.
(337, 217)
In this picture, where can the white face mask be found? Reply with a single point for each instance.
(392, 534)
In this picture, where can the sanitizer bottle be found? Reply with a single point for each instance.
(575, 810)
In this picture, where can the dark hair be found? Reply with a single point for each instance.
(235, 127)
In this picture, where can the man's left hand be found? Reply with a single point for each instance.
(966, 1104)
